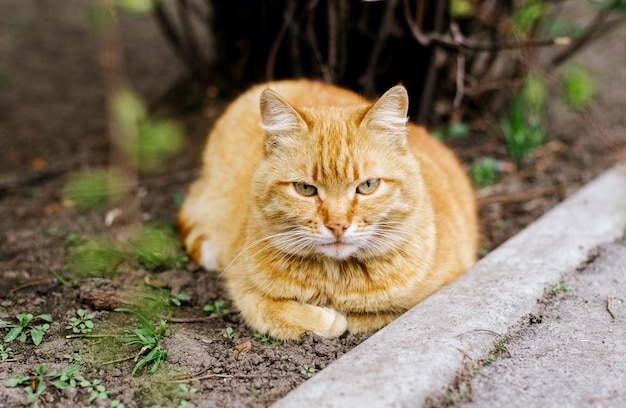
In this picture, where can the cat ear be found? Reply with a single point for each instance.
(279, 119)
(389, 114)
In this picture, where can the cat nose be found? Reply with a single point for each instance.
(338, 228)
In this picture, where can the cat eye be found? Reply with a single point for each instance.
(367, 187)
(305, 189)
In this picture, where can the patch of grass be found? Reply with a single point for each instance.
(81, 324)
(153, 248)
(158, 248)
(185, 391)
(522, 132)
(94, 188)
(36, 382)
(561, 287)
(23, 328)
(267, 339)
(178, 298)
(216, 308)
(148, 338)
(484, 172)
(256, 394)
(455, 130)
(307, 371)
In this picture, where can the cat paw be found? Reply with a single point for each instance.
(333, 323)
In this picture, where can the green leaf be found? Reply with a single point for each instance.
(100, 16)
(16, 380)
(45, 317)
(37, 336)
(145, 324)
(535, 91)
(24, 318)
(12, 334)
(137, 6)
(460, 8)
(527, 16)
(60, 384)
(577, 85)
(93, 188)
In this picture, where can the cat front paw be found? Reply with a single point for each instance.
(332, 323)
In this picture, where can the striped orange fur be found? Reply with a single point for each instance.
(325, 212)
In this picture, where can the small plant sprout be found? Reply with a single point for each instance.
(287, 357)
(97, 391)
(267, 339)
(307, 371)
(561, 287)
(73, 358)
(228, 333)
(254, 394)
(81, 324)
(178, 298)
(484, 172)
(501, 348)
(216, 308)
(21, 330)
(148, 338)
(5, 352)
(184, 392)
(35, 383)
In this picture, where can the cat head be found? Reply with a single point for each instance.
(336, 182)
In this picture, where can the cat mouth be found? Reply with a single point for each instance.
(338, 249)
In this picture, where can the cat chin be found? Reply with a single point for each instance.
(338, 250)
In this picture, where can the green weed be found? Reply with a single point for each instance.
(561, 287)
(577, 86)
(267, 339)
(484, 172)
(216, 308)
(228, 333)
(186, 391)
(36, 381)
(6, 352)
(157, 248)
(81, 324)
(148, 338)
(21, 330)
(73, 358)
(307, 371)
(255, 394)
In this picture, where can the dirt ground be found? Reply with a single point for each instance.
(53, 122)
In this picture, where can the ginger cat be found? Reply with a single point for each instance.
(326, 212)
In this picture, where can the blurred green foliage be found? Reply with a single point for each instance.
(157, 247)
(527, 16)
(484, 172)
(92, 188)
(577, 86)
(137, 6)
(147, 141)
(460, 8)
(152, 248)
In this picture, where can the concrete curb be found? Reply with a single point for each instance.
(420, 353)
